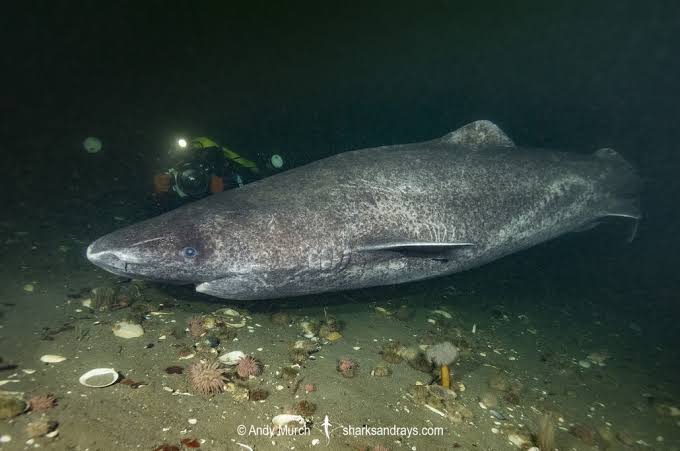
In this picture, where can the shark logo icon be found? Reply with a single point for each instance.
(326, 424)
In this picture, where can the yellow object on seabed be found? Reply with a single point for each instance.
(446, 376)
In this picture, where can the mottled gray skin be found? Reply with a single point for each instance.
(373, 217)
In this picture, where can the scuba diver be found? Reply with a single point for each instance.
(206, 167)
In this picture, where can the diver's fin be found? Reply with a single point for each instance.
(477, 135)
(436, 251)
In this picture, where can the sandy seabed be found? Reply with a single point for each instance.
(603, 378)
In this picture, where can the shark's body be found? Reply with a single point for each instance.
(376, 216)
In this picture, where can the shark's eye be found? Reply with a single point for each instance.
(189, 252)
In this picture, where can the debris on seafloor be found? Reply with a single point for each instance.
(11, 405)
(381, 371)
(40, 427)
(285, 419)
(52, 358)
(127, 330)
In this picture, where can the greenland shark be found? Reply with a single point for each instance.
(378, 216)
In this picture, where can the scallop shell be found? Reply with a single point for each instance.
(99, 377)
(126, 329)
(52, 358)
(231, 358)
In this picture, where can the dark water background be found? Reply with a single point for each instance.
(310, 80)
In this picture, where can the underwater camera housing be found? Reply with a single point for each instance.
(191, 179)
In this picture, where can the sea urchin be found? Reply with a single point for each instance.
(39, 403)
(206, 378)
(248, 366)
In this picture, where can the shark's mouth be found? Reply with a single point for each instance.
(112, 263)
(108, 261)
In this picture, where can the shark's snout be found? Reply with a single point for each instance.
(105, 258)
(110, 258)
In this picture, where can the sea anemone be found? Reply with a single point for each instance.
(196, 327)
(39, 403)
(206, 378)
(310, 388)
(443, 354)
(248, 366)
(347, 367)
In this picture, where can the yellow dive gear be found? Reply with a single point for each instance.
(206, 143)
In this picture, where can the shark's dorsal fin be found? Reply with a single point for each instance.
(477, 135)
(424, 249)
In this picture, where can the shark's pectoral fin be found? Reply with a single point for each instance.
(632, 231)
(587, 226)
(477, 135)
(435, 251)
(635, 221)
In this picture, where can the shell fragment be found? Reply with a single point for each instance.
(99, 377)
(52, 358)
(126, 329)
(284, 419)
(231, 358)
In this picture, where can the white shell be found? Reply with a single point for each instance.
(52, 358)
(236, 325)
(284, 418)
(231, 358)
(228, 312)
(125, 329)
(443, 313)
(105, 377)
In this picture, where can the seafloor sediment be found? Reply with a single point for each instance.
(531, 363)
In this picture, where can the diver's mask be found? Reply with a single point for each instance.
(191, 179)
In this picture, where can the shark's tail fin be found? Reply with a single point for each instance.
(623, 185)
